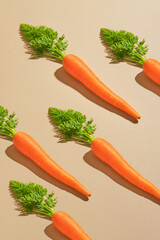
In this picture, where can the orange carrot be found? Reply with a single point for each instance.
(30, 148)
(108, 154)
(68, 226)
(151, 68)
(74, 125)
(45, 41)
(79, 70)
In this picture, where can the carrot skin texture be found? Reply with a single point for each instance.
(79, 70)
(151, 68)
(68, 226)
(108, 154)
(30, 148)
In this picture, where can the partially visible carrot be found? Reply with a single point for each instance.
(79, 70)
(34, 198)
(68, 226)
(126, 46)
(30, 148)
(151, 68)
(108, 154)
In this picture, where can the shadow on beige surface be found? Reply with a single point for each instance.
(147, 83)
(93, 161)
(65, 78)
(53, 233)
(13, 153)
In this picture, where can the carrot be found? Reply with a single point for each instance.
(34, 198)
(151, 68)
(68, 226)
(108, 154)
(79, 70)
(125, 46)
(73, 125)
(30, 148)
(45, 41)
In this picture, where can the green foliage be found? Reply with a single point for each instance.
(7, 123)
(34, 197)
(73, 124)
(124, 45)
(44, 41)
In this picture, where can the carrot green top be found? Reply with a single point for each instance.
(73, 124)
(125, 45)
(34, 198)
(44, 41)
(8, 123)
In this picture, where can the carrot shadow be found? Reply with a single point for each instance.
(147, 83)
(15, 155)
(54, 234)
(68, 80)
(96, 163)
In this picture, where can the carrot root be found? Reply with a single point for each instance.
(30, 148)
(68, 226)
(108, 154)
(151, 68)
(79, 70)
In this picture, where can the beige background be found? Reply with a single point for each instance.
(116, 210)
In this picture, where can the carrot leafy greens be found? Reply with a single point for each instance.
(8, 123)
(125, 45)
(45, 41)
(34, 198)
(73, 124)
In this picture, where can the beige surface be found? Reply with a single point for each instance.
(116, 210)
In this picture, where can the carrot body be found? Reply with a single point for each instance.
(68, 226)
(30, 148)
(79, 70)
(151, 68)
(108, 154)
